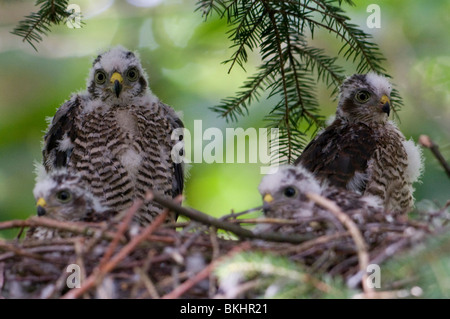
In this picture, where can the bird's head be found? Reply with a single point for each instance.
(284, 191)
(117, 77)
(60, 195)
(364, 98)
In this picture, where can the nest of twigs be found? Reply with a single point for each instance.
(116, 259)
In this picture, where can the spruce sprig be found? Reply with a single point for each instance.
(38, 24)
(290, 67)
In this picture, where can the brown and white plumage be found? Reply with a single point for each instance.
(289, 209)
(63, 196)
(118, 136)
(286, 198)
(362, 150)
(285, 192)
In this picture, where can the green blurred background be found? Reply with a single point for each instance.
(182, 55)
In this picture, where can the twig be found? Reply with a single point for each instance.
(234, 215)
(361, 246)
(59, 284)
(123, 226)
(147, 282)
(215, 255)
(16, 250)
(241, 288)
(83, 228)
(387, 252)
(266, 220)
(46, 243)
(149, 285)
(100, 272)
(79, 259)
(203, 274)
(426, 141)
(2, 276)
(316, 242)
(392, 294)
(237, 230)
(162, 239)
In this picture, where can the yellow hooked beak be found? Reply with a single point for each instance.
(117, 81)
(268, 198)
(385, 103)
(40, 205)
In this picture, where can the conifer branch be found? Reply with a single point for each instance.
(38, 24)
(278, 29)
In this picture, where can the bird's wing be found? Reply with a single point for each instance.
(344, 199)
(61, 133)
(178, 181)
(179, 169)
(340, 154)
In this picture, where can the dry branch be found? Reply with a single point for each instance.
(87, 229)
(225, 225)
(363, 256)
(181, 289)
(107, 266)
(154, 263)
(426, 141)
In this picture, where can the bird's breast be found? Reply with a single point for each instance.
(127, 121)
(130, 151)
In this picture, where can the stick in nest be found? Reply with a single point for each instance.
(100, 271)
(81, 228)
(426, 141)
(222, 224)
(188, 284)
(361, 246)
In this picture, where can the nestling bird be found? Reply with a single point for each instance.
(285, 195)
(62, 196)
(362, 150)
(291, 207)
(118, 136)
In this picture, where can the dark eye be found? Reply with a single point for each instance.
(290, 191)
(132, 74)
(100, 77)
(64, 196)
(362, 96)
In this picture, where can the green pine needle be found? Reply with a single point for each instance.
(38, 24)
(291, 67)
(263, 275)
